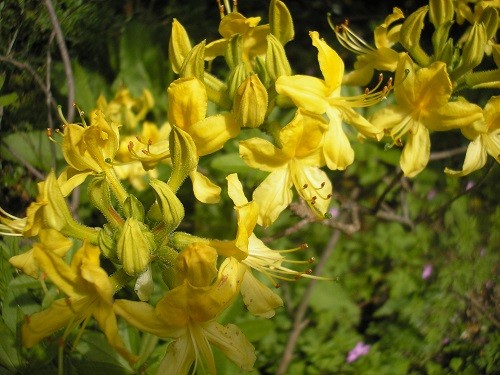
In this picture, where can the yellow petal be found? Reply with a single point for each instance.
(475, 158)
(416, 151)
(258, 298)
(179, 357)
(211, 134)
(187, 102)
(330, 63)
(361, 124)
(313, 182)
(453, 115)
(233, 343)
(26, 263)
(204, 189)
(336, 147)
(262, 154)
(247, 218)
(216, 48)
(144, 317)
(306, 92)
(273, 195)
(71, 178)
(432, 87)
(235, 190)
(46, 322)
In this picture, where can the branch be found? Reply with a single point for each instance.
(28, 68)
(447, 153)
(35, 172)
(70, 115)
(299, 322)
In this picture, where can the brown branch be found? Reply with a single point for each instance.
(28, 68)
(288, 231)
(299, 322)
(35, 172)
(389, 187)
(447, 153)
(70, 114)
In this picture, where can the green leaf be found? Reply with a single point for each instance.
(8, 99)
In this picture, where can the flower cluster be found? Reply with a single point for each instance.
(203, 276)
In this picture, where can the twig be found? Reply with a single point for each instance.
(288, 231)
(70, 115)
(447, 153)
(35, 172)
(49, 98)
(299, 322)
(31, 71)
(389, 187)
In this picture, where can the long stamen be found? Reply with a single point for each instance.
(348, 39)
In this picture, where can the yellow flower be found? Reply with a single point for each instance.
(254, 255)
(322, 96)
(382, 57)
(187, 108)
(89, 293)
(422, 97)
(485, 139)
(296, 163)
(50, 241)
(254, 37)
(125, 110)
(88, 149)
(187, 314)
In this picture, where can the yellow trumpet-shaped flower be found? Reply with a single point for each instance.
(253, 35)
(485, 139)
(322, 96)
(422, 104)
(88, 149)
(296, 163)
(187, 108)
(187, 314)
(255, 256)
(89, 293)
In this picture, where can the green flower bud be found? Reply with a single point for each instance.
(178, 46)
(472, 51)
(144, 285)
(171, 208)
(489, 18)
(234, 51)
(250, 102)
(194, 63)
(132, 207)
(440, 12)
(276, 61)
(410, 33)
(280, 21)
(107, 243)
(134, 246)
(100, 197)
(184, 157)
(236, 78)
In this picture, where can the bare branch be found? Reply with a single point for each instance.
(447, 153)
(35, 172)
(70, 114)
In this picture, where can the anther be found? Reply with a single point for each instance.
(277, 286)
(303, 246)
(323, 184)
(309, 271)
(298, 276)
(328, 196)
(305, 186)
(312, 260)
(130, 146)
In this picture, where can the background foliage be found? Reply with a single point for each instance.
(392, 228)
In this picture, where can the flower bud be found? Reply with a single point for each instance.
(472, 51)
(276, 61)
(250, 102)
(134, 246)
(194, 63)
(99, 196)
(234, 51)
(179, 46)
(489, 18)
(172, 210)
(132, 207)
(410, 33)
(107, 243)
(440, 12)
(280, 21)
(236, 78)
(184, 157)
